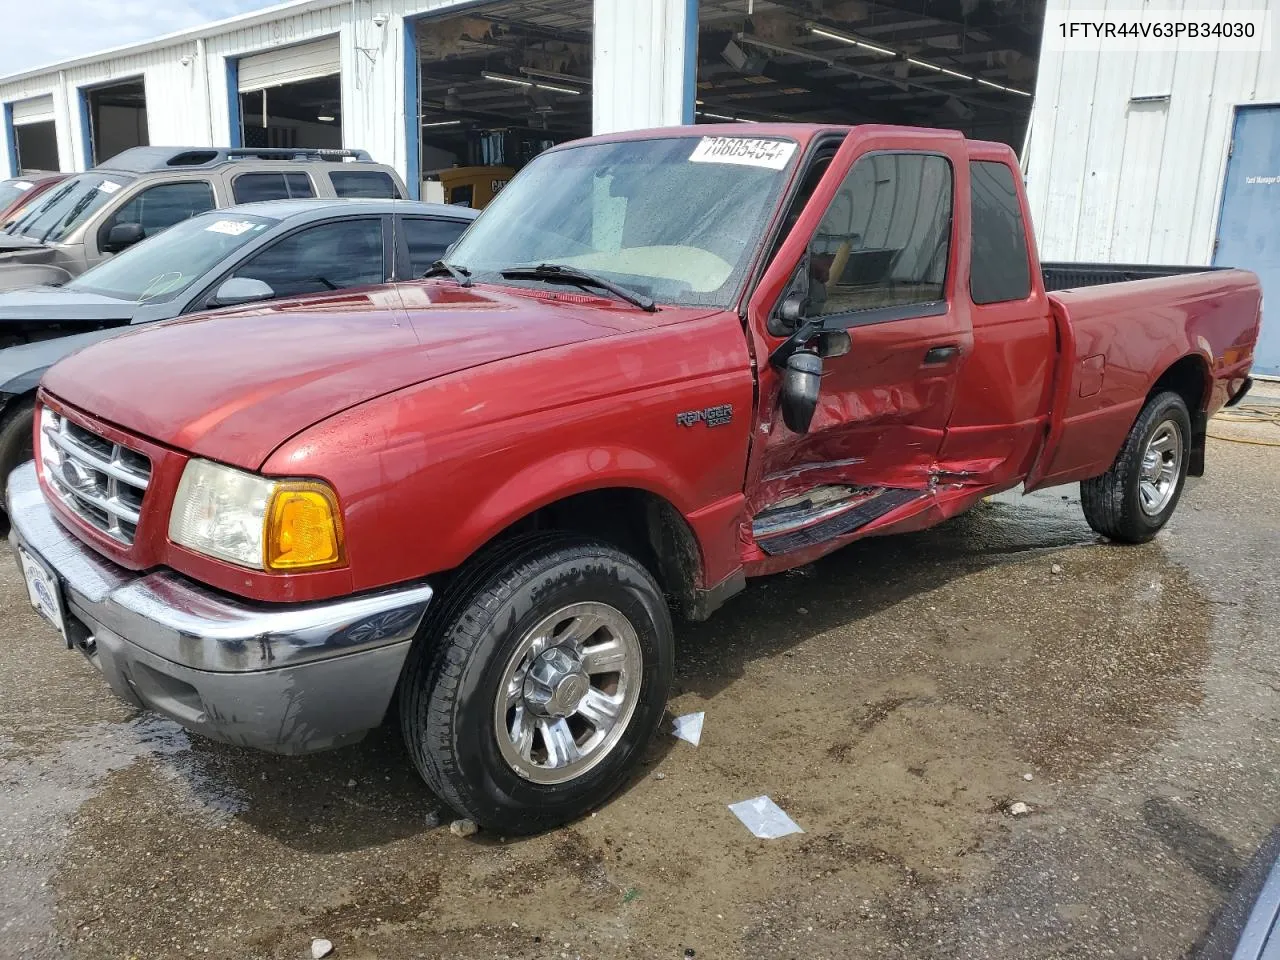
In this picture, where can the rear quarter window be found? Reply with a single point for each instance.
(1000, 269)
(254, 187)
(364, 183)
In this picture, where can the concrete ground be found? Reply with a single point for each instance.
(896, 699)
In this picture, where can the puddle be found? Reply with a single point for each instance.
(41, 793)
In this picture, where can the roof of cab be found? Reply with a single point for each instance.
(802, 133)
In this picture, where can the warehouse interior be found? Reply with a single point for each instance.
(501, 82)
(117, 115)
(304, 113)
(969, 65)
(497, 86)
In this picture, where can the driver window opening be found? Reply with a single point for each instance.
(886, 237)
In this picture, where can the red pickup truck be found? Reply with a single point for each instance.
(658, 364)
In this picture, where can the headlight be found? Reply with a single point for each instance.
(256, 522)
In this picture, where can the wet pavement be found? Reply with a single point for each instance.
(897, 699)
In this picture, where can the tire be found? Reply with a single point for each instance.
(456, 726)
(1116, 504)
(16, 429)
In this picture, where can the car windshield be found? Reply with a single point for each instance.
(68, 205)
(163, 266)
(11, 190)
(675, 219)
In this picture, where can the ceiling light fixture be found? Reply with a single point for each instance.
(325, 118)
(516, 81)
(442, 123)
(552, 75)
(820, 31)
(723, 116)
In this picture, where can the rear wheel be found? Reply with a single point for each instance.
(15, 441)
(1137, 496)
(533, 690)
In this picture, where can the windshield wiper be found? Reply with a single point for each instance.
(555, 271)
(80, 207)
(461, 274)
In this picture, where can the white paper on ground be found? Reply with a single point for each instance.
(689, 727)
(764, 818)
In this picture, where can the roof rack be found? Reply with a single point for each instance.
(150, 159)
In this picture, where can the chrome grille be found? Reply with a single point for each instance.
(100, 481)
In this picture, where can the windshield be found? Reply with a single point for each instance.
(675, 219)
(68, 205)
(161, 267)
(11, 190)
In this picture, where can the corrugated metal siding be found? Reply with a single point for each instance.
(639, 69)
(1110, 179)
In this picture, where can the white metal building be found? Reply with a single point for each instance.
(427, 85)
(1168, 157)
(1128, 152)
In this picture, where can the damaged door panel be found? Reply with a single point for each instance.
(874, 254)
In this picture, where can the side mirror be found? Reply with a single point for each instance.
(237, 290)
(123, 235)
(801, 382)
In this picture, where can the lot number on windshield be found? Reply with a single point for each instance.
(747, 151)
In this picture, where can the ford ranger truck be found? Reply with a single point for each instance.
(659, 363)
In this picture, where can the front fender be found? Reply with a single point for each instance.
(428, 475)
(567, 474)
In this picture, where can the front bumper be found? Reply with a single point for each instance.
(288, 678)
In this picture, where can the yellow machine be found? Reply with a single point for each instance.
(474, 187)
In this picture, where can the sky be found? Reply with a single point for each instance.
(53, 30)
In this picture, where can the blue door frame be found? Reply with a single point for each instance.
(11, 140)
(1248, 223)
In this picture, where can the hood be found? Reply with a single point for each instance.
(22, 366)
(56, 304)
(9, 242)
(234, 385)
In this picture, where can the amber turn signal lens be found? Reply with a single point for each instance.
(304, 528)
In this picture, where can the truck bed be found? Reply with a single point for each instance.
(1116, 339)
(1072, 276)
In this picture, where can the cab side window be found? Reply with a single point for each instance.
(1001, 267)
(427, 240)
(885, 239)
(323, 258)
(165, 204)
(364, 183)
(255, 187)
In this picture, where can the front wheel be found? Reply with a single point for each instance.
(533, 691)
(1137, 496)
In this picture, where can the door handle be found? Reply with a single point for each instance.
(937, 355)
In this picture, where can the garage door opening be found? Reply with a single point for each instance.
(37, 147)
(965, 65)
(496, 87)
(34, 135)
(292, 97)
(117, 115)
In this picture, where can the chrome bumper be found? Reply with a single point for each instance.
(290, 678)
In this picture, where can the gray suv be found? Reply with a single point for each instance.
(91, 216)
